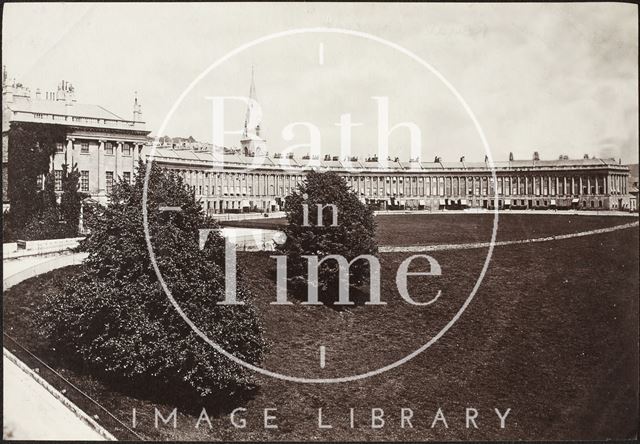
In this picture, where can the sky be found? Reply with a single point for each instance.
(552, 78)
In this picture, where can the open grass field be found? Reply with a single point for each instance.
(552, 334)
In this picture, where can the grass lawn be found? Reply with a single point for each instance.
(552, 334)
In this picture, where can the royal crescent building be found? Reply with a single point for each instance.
(107, 147)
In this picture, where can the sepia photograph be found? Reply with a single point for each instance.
(318, 221)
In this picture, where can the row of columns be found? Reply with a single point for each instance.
(72, 151)
(209, 183)
(446, 186)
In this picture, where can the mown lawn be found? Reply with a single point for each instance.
(552, 334)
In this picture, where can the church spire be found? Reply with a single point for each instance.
(250, 117)
(252, 143)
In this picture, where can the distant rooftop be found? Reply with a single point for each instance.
(231, 158)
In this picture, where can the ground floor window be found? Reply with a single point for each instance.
(84, 180)
(58, 177)
(109, 180)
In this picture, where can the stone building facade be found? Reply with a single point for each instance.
(240, 183)
(103, 145)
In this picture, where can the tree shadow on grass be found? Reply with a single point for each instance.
(183, 397)
(149, 389)
(297, 289)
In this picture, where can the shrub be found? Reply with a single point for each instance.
(354, 234)
(29, 150)
(115, 315)
(47, 219)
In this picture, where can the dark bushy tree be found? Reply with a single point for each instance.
(30, 148)
(115, 315)
(45, 223)
(34, 213)
(354, 234)
(52, 220)
(71, 199)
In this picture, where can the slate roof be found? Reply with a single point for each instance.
(238, 159)
(61, 108)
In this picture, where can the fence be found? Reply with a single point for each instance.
(246, 216)
(20, 249)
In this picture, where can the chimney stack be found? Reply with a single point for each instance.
(536, 156)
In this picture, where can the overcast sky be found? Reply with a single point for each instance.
(552, 78)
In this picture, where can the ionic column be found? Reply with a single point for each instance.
(134, 158)
(134, 161)
(613, 183)
(69, 154)
(580, 186)
(102, 176)
(118, 169)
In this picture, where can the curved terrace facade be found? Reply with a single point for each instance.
(239, 183)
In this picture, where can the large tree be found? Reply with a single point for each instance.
(71, 199)
(51, 220)
(31, 146)
(116, 317)
(352, 236)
